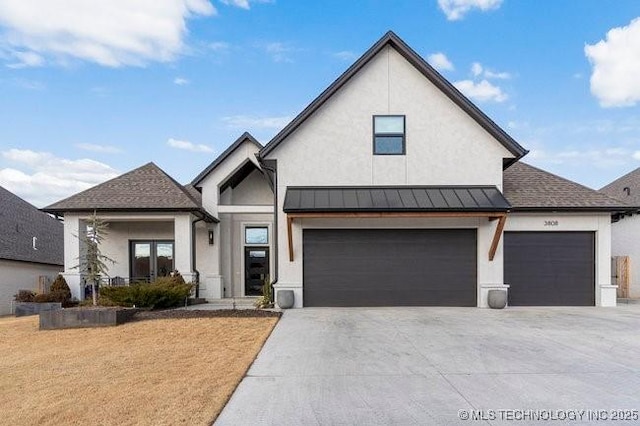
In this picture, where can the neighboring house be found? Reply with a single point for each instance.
(390, 188)
(30, 247)
(625, 233)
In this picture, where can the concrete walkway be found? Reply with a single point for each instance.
(405, 366)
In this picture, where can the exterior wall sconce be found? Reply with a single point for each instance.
(211, 237)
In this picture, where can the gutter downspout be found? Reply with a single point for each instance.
(193, 254)
(271, 166)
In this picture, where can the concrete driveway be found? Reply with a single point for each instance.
(404, 366)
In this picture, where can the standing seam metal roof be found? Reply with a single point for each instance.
(395, 199)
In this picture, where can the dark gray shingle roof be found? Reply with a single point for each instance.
(616, 189)
(394, 199)
(529, 188)
(19, 223)
(145, 188)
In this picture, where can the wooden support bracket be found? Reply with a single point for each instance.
(496, 237)
(501, 217)
(290, 237)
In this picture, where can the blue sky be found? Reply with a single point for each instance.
(92, 88)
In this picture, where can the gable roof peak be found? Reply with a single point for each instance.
(246, 136)
(625, 188)
(147, 187)
(392, 39)
(529, 188)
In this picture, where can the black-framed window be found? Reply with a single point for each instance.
(256, 235)
(389, 134)
(150, 259)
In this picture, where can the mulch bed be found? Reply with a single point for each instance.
(144, 315)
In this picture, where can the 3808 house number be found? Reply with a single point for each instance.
(550, 223)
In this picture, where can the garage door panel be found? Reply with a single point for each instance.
(349, 267)
(550, 268)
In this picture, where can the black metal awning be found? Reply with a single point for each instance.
(395, 199)
(396, 202)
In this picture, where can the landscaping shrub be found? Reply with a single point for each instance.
(165, 292)
(25, 296)
(60, 292)
(59, 285)
(265, 301)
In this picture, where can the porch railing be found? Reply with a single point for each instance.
(111, 282)
(118, 281)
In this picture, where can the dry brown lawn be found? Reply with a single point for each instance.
(159, 372)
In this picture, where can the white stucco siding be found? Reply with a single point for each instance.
(210, 184)
(208, 260)
(253, 190)
(444, 145)
(116, 244)
(625, 241)
(600, 223)
(15, 276)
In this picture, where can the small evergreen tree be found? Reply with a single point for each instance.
(94, 263)
(60, 290)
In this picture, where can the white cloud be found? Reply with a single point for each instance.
(456, 9)
(476, 69)
(188, 146)
(110, 33)
(482, 91)
(601, 158)
(106, 149)
(440, 61)
(636, 155)
(42, 178)
(181, 81)
(249, 122)
(219, 46)
(616, 66)
(244, 4)
(279, 52)
(497, 75)
(26, 59)
(345, 55)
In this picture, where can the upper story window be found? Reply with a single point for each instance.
(388, 134)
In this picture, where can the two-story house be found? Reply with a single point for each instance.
(390, 189)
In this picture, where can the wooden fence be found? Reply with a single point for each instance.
(621, 275)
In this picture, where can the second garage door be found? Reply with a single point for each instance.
(389, 267)
(550, 268)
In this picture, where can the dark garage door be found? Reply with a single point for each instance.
(389, 267)
(550, 268)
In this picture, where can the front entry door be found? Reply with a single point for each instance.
(256, 269)
(151, 259)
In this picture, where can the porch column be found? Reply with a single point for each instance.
(183, 246)
(73, 227)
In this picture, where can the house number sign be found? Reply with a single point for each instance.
(550, 223)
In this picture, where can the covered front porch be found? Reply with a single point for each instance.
(144, 246)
